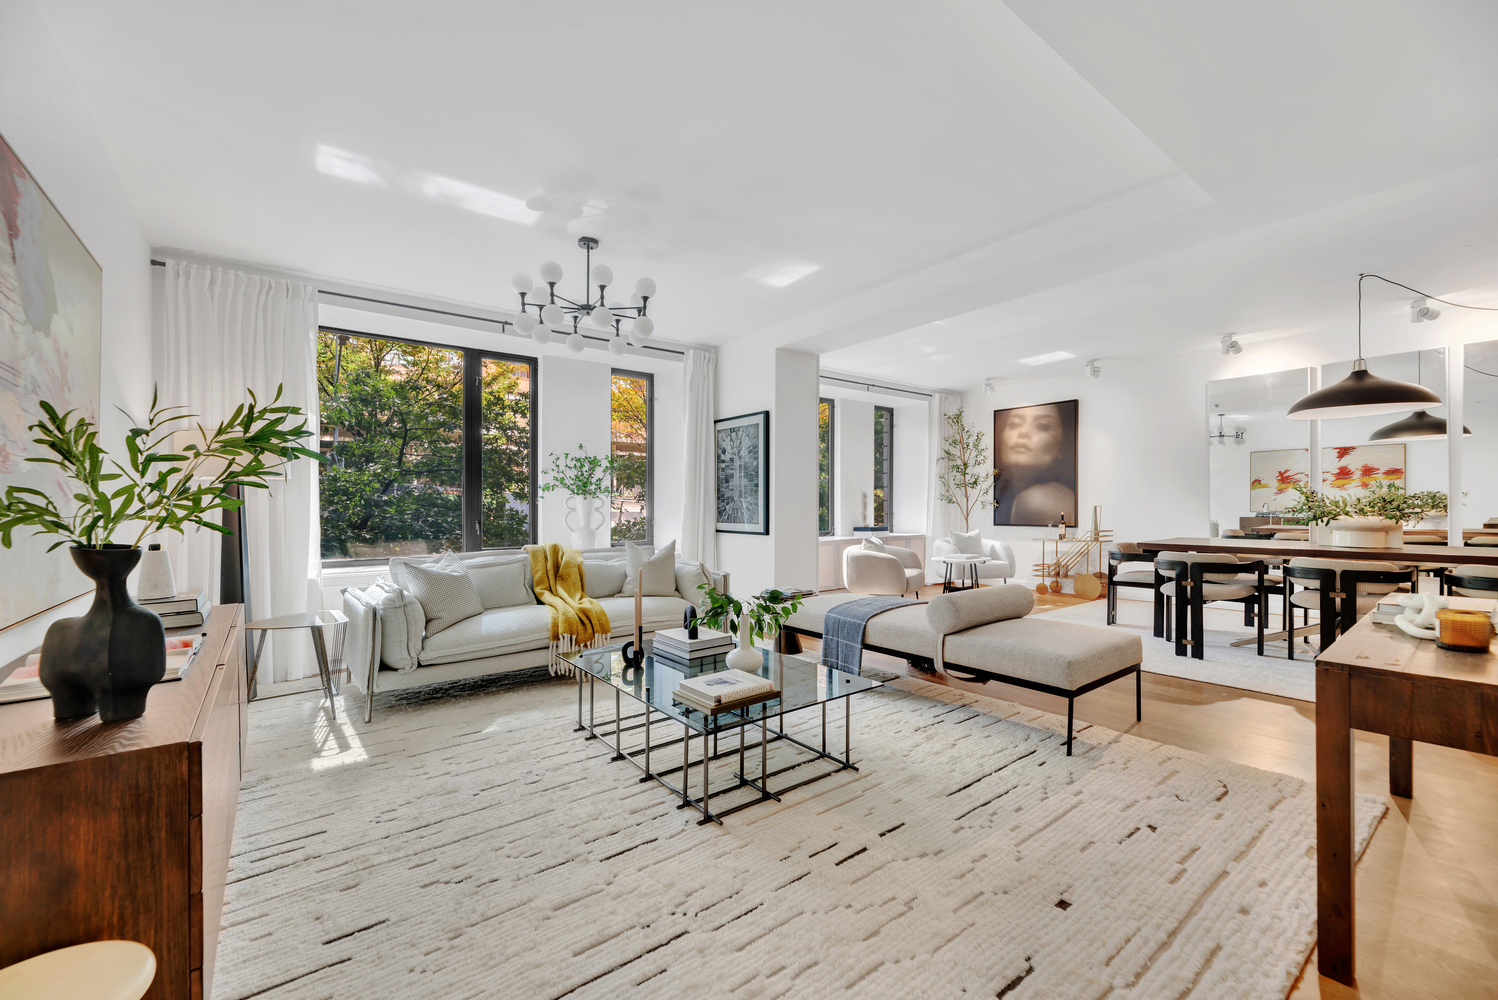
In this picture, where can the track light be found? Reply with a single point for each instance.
(988, 387)
(1091, 368)
(1421, 311)
(1230, 344)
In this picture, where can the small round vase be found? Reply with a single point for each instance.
(591, 517)
(106, 661)
(745, 656)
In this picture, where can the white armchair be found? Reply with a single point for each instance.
(1001, 563)
(892, 571)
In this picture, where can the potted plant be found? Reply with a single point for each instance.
(107, 660)
(759, 617)
(965, 480)
(1372, 519)
(588, 481)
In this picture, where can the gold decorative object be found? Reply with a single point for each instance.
(1075, 559)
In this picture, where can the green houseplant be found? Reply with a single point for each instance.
(755, 618)
(588, 481)
(107, 660)
(965, 480)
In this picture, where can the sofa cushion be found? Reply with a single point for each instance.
(502, 581)
(1060, 654)
(948, 613)
(689, 576)
(903, 629)
(490, 633)
(402, 624)
(968, 543)
(659, 566)
(445, 590)
(603, 578)
(659, 612)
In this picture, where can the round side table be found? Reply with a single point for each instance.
(99, 970)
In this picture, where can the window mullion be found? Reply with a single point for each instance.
(473, 451)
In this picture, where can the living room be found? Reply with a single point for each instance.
(734, 500)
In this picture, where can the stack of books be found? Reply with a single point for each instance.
(709, 651)
(182, 611)
(723, 690)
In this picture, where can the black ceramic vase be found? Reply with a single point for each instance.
(107, 660)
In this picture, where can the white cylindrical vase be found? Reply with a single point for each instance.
(744, 656)
(590, 517)
(156, 581)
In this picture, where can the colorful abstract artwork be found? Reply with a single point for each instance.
(1273, 476)
(1351, 470)
(51, 303)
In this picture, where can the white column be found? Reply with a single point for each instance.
(1455, 383)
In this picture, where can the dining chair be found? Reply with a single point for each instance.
(1123, 554)
(1473, 581)
(1340, 591)
(1200, 578)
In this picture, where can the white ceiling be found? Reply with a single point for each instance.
(1108, 178)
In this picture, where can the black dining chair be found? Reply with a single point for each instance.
(1201, 581)
(1143, 576)
(1340, 591)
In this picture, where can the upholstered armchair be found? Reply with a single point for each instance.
(890, 571)
(1001, 563)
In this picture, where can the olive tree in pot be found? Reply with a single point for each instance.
(107, 660)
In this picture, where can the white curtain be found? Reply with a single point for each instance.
(225, 331)
(938, 514)
(699, 516)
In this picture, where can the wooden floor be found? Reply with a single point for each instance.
(1427, 887)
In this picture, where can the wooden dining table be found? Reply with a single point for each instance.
(1280, 548)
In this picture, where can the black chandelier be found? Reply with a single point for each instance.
(555, 312)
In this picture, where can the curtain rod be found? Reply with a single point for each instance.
(872, 385)
(458, 315)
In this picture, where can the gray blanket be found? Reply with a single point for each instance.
(842, 630)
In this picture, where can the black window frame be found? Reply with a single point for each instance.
(473, 442)
(831, 464)
(889, 462)
(649, 378)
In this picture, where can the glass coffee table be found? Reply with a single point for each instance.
(642, 704)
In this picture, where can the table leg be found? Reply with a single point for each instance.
(1334, 825)
(847, 730)
(320, 649)
(647, 743)
(686, 766)
(1401, 767)
(707, 768)
(618, 739)
(255, 663)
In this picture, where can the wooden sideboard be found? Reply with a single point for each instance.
(123, 830)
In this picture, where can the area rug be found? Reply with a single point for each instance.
(477, 847)
(1224, 664)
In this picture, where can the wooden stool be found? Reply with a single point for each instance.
(100, 970)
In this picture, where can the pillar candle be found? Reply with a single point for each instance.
(639, 613)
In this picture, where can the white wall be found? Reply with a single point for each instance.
(44, 119)
(912, 466)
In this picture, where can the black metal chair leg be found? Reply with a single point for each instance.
(1138, 694)
(1198, 626)
(1070, 702)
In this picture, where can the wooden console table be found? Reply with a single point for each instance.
(123, 830)
(1378, 679)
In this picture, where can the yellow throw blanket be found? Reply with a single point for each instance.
(557, 573)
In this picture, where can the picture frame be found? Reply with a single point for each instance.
(1035, 463)
(741, 446)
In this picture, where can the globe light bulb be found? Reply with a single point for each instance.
(540, 295)
(603, 317)
(602, 275)
(526, 323)
(541, 335)
(644, 327)
(552, 315)
(575, 342)
(645, 287)
(551, 271)
(616, 345)
(636, 340)
(522, 283)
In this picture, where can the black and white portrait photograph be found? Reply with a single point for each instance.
(743, 450)
(1035, 464)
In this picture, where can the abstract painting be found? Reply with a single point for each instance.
(743, 473)
(1273, 476)
(1350, 470)
(51, 304)
(1035, 464)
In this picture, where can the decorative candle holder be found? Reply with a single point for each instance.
(1464, 631)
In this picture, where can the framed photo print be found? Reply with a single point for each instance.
(743, 473)
(1035, 464)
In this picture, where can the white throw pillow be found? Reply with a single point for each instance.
(659, 567)
(502, 582)
(968, 543)
(689, 576)
(603, 578)
(446, 591)
(402, 623)
(874, 544)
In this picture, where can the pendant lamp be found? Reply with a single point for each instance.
(1419, 424)
(1362, 394)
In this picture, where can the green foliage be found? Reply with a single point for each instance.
(581, 475)
(1386, 500)
(965, 480)
(824, 467)
(156, 486)
(767, 613)
(630, 413)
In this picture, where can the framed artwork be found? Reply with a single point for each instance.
(1272, 476)
(1035, 464)
(743, 473)
(51, 308)
(1350, 470)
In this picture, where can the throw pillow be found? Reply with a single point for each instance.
(502, 582)
(874, 544)
(402, 623)
(968, 543)
(445, 590)
(659, 567)
(689, 576)
(603, 578)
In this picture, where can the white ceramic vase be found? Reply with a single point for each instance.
(745, 656)
(1367, 533)
(591, 515)
(156, 581)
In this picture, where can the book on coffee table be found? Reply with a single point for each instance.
(688, 700)
(676, 642)
(723, 688)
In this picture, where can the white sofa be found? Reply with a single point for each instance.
(387, 647)
(1001, 563)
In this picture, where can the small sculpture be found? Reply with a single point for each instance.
(689, 621)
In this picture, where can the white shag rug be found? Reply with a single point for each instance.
(1230, 666)
(476, 847)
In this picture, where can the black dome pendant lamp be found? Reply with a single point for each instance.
(1419, 424)
(1362, 394)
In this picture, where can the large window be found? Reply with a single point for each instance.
(632, 439)
(824, 466)
(428, 448)
(884, 465)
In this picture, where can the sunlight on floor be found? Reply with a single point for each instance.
(335, 742)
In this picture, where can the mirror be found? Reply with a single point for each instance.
(1351, 462)
(1254, 451)
(1480, 413)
